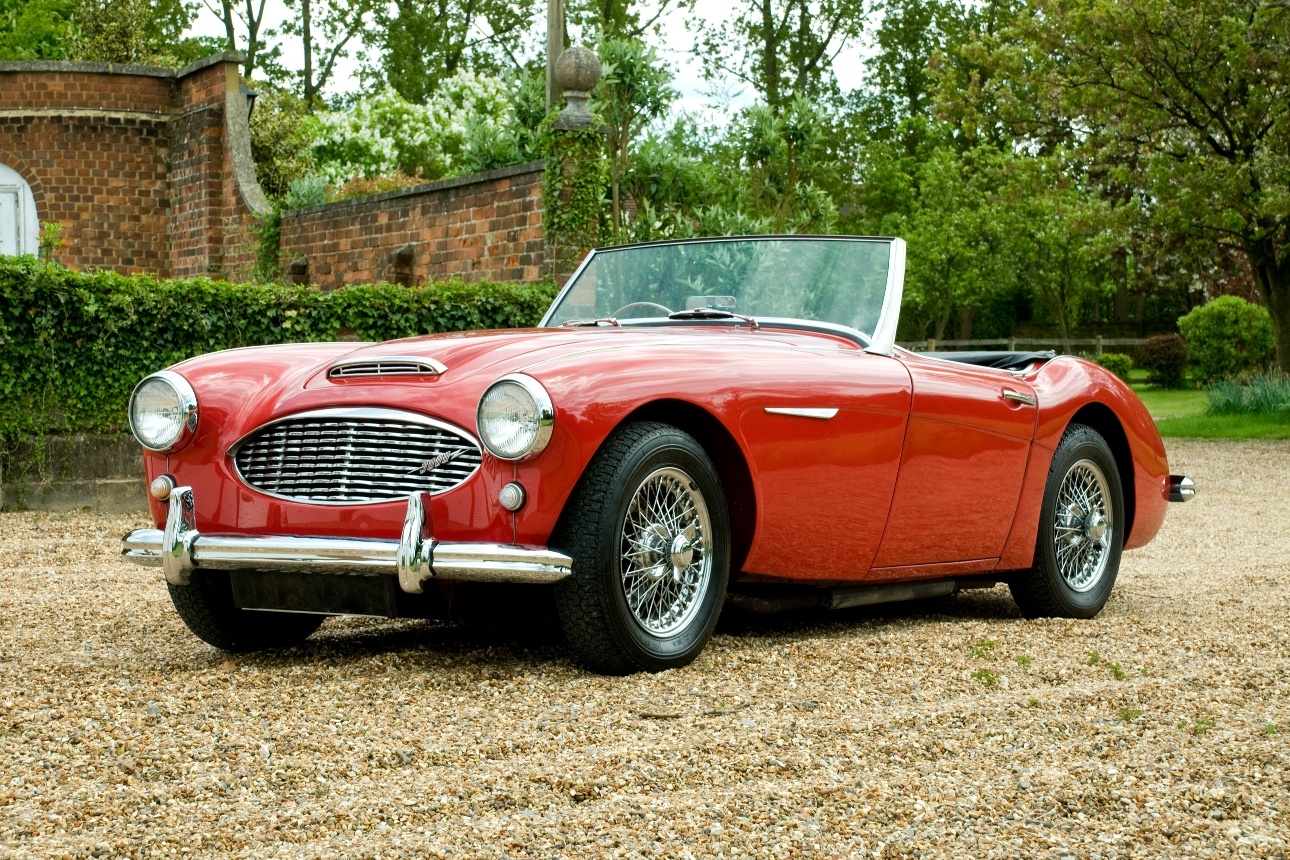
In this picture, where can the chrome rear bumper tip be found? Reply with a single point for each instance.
(1181, 488)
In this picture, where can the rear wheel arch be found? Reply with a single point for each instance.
(1101, 418)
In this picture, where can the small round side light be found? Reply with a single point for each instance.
(512, 497)
(161, 487)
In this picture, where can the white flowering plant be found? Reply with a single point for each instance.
(385, 133)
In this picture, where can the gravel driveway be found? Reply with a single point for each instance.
(952, 729)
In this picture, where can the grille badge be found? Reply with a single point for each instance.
(438, 460)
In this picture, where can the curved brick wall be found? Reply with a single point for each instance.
(145, 168)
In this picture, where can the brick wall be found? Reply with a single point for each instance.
(140, 165)
(487, 226)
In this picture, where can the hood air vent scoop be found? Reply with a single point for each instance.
(369, 366)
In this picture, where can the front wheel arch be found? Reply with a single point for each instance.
(727, 457)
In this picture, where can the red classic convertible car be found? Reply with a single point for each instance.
(692, 423)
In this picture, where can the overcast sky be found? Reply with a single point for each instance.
(675, 47)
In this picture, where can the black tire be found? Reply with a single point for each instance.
(606, 627)
(1075, 563)
(206, 606)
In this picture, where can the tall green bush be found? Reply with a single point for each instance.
(1227, 337)
(73, 345)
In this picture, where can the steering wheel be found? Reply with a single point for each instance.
(641, 306)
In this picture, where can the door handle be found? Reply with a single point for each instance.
(1009, 394)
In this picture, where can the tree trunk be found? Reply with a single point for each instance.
(965, 322)
(1272, 276)
(306, 25)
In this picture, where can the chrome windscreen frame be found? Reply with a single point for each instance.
(881, 342)
(363, 413)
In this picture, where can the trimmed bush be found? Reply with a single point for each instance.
(1227, 337)
(73, 345)
(1262, 394)
(1164, 357)
(1116, 362)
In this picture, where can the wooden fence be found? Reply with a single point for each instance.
(1094, 345)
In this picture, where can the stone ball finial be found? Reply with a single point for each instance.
(577, 69)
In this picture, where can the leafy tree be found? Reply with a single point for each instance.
(135, 31)
(783, 49)
(1189, 100)
(619, 19)
(324, 28)
(634, 90)
(279, 139)
(422, 42)
(250, 17)
(35, 29)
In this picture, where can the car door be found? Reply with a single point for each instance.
(966, 446)
(824, 434)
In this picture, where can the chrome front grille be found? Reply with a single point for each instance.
(355, 456)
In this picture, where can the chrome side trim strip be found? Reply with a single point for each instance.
(180, 548)
(805, 412)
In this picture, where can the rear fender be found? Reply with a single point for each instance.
(1071, 390)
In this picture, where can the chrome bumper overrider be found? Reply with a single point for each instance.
(1181, 488)
(180, 548)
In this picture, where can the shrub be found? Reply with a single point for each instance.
(1116, 362)
(1164, 357)
(1227, 337)
(1261, 394)
(75, 343)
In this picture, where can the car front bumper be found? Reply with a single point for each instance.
(415, 558)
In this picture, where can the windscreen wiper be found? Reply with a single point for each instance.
(599, 322)
(712, 314)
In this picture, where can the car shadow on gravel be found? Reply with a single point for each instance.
(525, 634)
(993, 604)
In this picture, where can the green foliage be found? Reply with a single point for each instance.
(1116, 362)
(306, 191)
(279, 139)
(1183, 104)
(634, 90)
(51, 242)
(35, 29)
(1164, 357)
(416, 45)
(573, 190)
(783, 49)
(76, 344)
(1227, 337)
(1261, 394)
(268, 249)
(148, 32)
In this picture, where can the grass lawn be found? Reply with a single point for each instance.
(1181, 413)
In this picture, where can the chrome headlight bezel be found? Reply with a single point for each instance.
(543, 418)
(186, 403)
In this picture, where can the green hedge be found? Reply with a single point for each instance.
(73, 345)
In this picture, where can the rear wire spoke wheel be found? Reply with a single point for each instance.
(1081, 532)
(650, 539)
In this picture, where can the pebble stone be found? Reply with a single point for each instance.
(943, 729)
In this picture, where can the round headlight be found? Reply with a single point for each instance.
(163, 412)
(515, 417)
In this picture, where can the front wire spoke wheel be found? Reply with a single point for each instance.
(1082, 541)
(649, 534)
(665, 567)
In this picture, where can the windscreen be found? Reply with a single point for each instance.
(840, 281)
